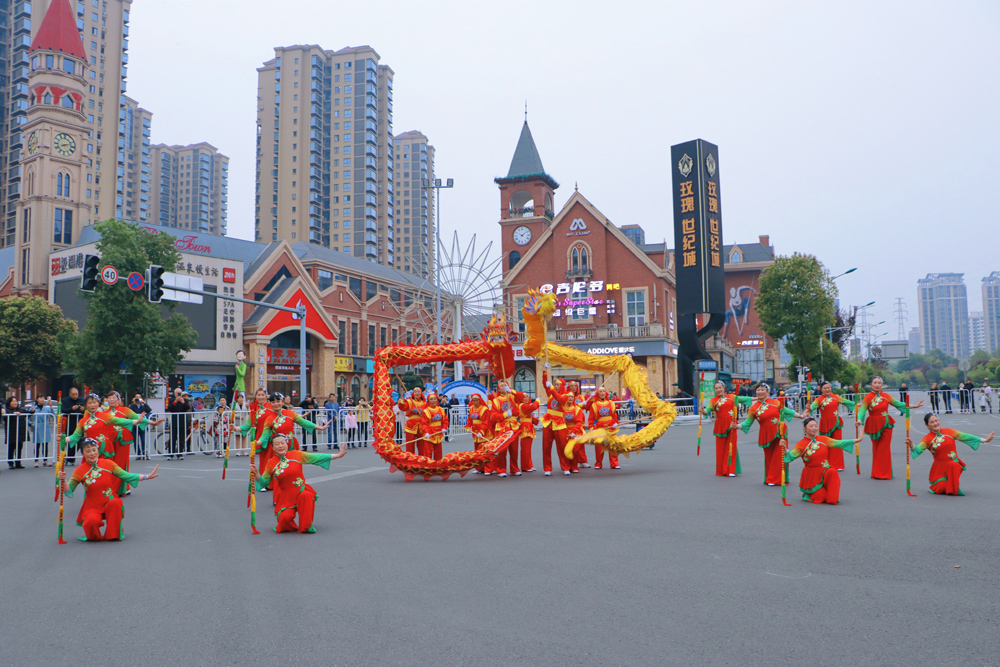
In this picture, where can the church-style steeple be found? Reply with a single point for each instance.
(53, 204)
(58, 32)
(526, 205)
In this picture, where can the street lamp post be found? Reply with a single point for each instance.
(436, 185)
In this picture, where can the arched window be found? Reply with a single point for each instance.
(67, 101)
(575, 264)
(513, 259)
(59, 185)
(356, 388)
(578, 260)
(524, 381)
(735, 257)
(47, 98)
(583, 259)
(31, 183)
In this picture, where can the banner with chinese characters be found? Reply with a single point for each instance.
(582, 298)
(699, 261)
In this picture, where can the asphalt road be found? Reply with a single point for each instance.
(659, 563)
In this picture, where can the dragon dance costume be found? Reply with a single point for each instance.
(526, 415)
(820, 481)
(553, 423)
(504, 416)
(603, 414)
(879, 425)
(434, 425)
(413, 408)
(831, 424)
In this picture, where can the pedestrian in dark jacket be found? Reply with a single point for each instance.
(72, 410)
(179, 408)
(17, 431)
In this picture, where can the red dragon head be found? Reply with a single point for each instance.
(500, 336)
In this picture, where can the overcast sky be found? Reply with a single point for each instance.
(864, 132)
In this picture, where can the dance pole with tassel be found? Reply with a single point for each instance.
(784, 471)
(701, 397)
(809, 393)
(857, 430)
(732, 438)
(61, 443)
(908, 492)
(251, 492)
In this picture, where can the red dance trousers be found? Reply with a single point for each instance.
(121, 458)
(526, 462)
(882, 456)
(305, 505)
(836, 456)
(548, 438)
(500, 461)
(951, 471)
(94, 518)
(830, 491)
(599, 457)
(772, 463)
(723, 466)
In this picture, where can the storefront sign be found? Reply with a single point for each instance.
(343, 364)
(578, 287)
(228, 275)
(187, 243)
(620, 349)
(61, 265)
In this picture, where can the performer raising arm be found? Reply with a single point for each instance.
(100, 477)
(878, 426)
(291, 493)
(553, 424)
(413, 408)
(434, 424)
(721, 405)
(946, 471)
(830, 422)
(820, 482)
(283, 421)
(772, 417)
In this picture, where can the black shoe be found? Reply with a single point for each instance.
(329, 446)
(314, 448)
(337, 447)
(180, 458)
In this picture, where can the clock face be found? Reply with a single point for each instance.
(522, 235)
(33, 143)
(65, 144)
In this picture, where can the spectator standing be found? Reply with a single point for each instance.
(333, 416)
(986, 397)
(180, 424)
(903, 392)
(946, 395)
(309, 412)
(43, 428)
(970, 396)
(72, 410)
(364, 419)
(351, 422)
(17, 431)
(934, 392)
(142, 409)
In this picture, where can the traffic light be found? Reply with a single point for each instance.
(88, 281)
(154, 283)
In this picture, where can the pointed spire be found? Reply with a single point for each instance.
(527, 163)
(58, 32)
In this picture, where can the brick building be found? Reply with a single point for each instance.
(613, 296)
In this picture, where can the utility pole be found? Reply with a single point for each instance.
(900, 316)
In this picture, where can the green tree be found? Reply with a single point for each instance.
(34, 337)
(795, 302)
(124, 331)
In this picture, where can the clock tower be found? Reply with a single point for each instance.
(526, 206)
(53, 209)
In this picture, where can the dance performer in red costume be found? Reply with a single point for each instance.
(283, 421)
(100, 478)
(526, 415)
(947, 469)
(291, 493)
(820, 481)
(505, 417)
(827, 404)
(878, 426)
(101, 426)
(553, 424)
(434, 425)
(772, 417)
(413, 407)
(721, 405)
(603, 414)
(575, 419)
(123, 444)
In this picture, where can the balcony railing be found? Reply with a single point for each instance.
(601, 333)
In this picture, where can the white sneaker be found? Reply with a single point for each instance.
(487, 474)
(503, 474)
(617, 467)
(732, 475)
(769, 484)
(597, 467)
(530, 470)
(566, 472)
(548, 473)
(584, 465)
(517, 474)
(474, 471)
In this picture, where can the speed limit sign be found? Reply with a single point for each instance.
(109, 275)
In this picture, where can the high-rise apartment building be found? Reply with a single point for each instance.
(914, 340)
(977, 332)
(991, 312)
(944, 314)
(138, 162)
(189, 188)
(634, 233)
(103, 28)
(325, 151)
(415, 223)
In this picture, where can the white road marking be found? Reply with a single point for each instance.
(785, 576)
(341, 475)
